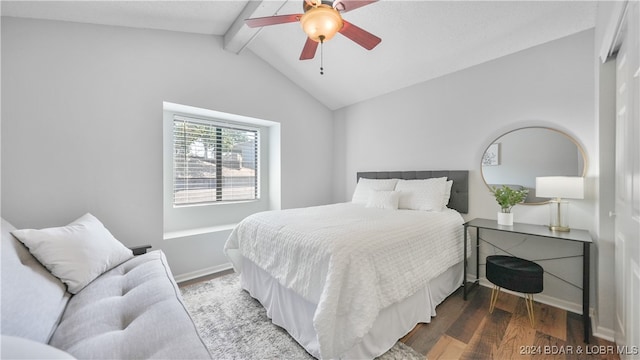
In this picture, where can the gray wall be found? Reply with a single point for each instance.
(448, 122)
(82, 110)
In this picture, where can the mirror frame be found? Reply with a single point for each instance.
(574, 141)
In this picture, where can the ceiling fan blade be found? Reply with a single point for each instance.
(361, 37)
(272, 20)
(348, 5)
(309, 50)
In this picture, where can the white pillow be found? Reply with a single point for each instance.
(383, 200)
(365, 186)
(76, 253)
(424, 194)
(447, 194)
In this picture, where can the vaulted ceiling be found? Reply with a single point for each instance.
(421, 40)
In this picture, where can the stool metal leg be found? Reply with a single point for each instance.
(529, 301)
(494, 298)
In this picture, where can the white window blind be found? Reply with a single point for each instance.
(213, 162)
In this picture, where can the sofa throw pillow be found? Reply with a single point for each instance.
(76, 253)
(383, 200)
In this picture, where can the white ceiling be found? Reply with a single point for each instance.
(421, 40)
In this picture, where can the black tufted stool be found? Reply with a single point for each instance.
(514, 274)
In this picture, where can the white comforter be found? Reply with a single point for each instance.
(350, 260)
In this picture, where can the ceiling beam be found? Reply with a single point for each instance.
(239, 35)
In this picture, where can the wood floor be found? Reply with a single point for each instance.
(465, 330)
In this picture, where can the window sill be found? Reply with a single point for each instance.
(197, 231)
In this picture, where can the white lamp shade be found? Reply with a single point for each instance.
(568, 187)
(322, 21)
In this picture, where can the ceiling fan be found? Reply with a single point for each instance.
(321, 21)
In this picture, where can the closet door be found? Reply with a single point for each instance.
(627, 223)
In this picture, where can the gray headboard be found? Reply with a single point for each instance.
(459, 199)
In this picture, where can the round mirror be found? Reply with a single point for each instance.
(516, 158)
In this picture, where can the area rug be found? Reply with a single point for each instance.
(234, 325)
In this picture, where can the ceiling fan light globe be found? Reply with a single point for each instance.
(322, 21)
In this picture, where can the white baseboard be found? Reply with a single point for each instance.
(202, 272)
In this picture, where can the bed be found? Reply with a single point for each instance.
(348, 280)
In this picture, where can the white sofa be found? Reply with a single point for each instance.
(132, 311)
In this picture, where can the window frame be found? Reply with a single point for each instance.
(219, 124)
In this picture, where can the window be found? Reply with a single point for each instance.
(214, 161)
(217, 169)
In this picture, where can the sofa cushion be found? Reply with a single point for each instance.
(33, 300)
(134, 311)
(76, 253)
(12, 347)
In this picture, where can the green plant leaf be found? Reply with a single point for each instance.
(507, 197)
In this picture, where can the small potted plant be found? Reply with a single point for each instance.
(507, 198)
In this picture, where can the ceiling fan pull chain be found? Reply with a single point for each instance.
(321, 54)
